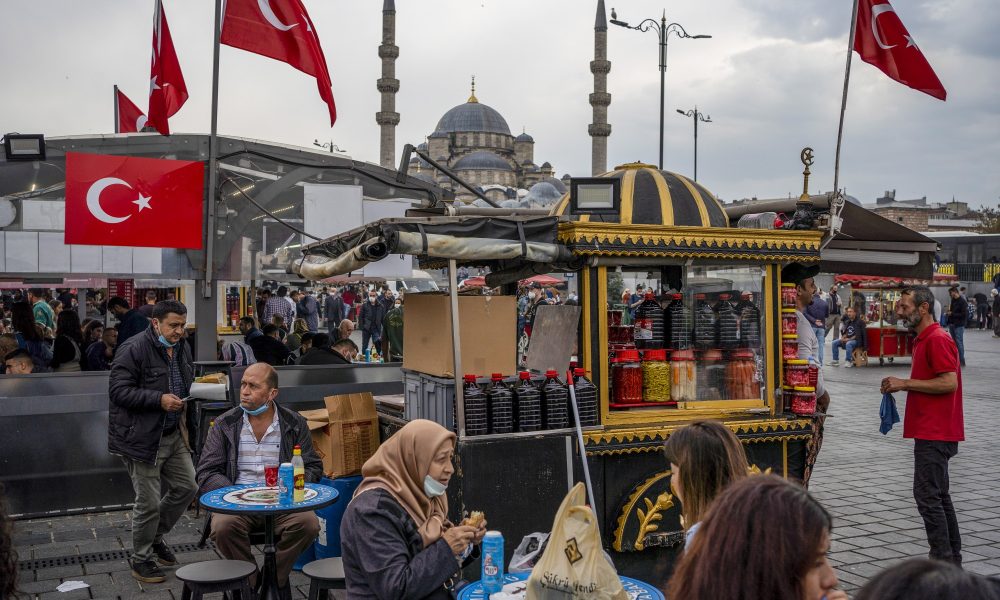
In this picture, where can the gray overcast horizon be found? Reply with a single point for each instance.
(770, 78)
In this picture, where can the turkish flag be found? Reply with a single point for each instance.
(881, 40)
(130, 118)
(167, 91)
(129, 201)
(282, 30)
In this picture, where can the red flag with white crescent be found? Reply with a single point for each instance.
(881, 40)
(167, 91)
(130, 118)
(282, 30)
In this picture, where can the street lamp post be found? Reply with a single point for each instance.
(663, 30)
(696, 116)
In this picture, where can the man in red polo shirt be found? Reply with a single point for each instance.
(933, 419)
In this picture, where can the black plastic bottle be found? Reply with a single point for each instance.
(648, 328)
(501, 403)
(704, 324)
(678, 324)
(527, 404)
(727, 326)
(555, 402)
(586, 398)
(476, 412)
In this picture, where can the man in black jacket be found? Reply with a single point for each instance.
(370, 321)
(268, 348)
(334, 309)
(131, 321)
(341, 353)
(958, 316)
(245, 440)
(151, 373)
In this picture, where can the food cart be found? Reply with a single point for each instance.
(874, 298)
(671, 233)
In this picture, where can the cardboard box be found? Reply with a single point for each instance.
(488, 329)
(344, 434)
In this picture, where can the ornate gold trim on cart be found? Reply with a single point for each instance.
(648, 519)
(636, 440)
(614, 239)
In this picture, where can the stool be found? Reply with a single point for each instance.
(217, 576)
(325, 574)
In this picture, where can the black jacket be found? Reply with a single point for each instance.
(218, 466)
(959, 314)
(371, 317)
(384, 555)
(323, 356)
(333, 309)
(268, 350)
(132, 323)
(137, 381)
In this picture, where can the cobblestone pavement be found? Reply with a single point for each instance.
(862, 477)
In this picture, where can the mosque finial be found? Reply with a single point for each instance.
(472, 98)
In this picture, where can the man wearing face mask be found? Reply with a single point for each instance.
(370, 321)
(151, 374)
(244, 440)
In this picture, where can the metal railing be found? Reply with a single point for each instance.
(970, 271)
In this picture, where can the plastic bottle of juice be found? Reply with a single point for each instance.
(527, 410)
(299, 472)
(501, 405)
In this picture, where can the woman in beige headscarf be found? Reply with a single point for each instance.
(396, 538)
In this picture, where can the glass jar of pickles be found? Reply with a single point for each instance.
(788, 295)
(683, 379)
(627, 373)
(789, 321)
(655, 376)
(742, 381)
(804, 400)
(797, 372)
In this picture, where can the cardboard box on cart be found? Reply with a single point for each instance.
(487, 325)
(344, 434)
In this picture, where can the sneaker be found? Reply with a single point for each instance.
(849, 365)
(147, 572)
(163, 554)
(834, 363)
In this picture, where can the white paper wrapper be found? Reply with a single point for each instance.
(209, 391)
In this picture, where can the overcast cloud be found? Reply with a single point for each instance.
(770, 78)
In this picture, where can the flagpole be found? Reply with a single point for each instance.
(213, 156)
(116, 109)
(843, 101)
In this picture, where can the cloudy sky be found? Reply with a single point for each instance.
(770, 78)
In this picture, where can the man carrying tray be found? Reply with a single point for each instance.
(245, 440)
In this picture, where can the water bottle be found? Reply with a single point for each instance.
(764, 220)
(492, 572)
(286, 483)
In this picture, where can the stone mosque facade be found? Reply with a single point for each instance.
(474, 141)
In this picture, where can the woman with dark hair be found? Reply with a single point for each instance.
(925, 579)
(8, 555)
(28, 337)
(67, 351)
(740, 555)
(705, 457)
(93, 330)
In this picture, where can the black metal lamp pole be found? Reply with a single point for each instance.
(663, 30)
(696, 116)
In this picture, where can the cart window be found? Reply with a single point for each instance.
(686, 337)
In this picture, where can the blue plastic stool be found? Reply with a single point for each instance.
(328, 543)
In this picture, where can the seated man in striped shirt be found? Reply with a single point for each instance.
(245, 440)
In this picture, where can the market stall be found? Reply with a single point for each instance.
(707, 342)
(875, 298)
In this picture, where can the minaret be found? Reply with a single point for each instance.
(599, 130)
(388, 85)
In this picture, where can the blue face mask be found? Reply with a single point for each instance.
(433, 487)
(165, 343)
(257, 411)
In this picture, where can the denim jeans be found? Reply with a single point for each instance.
(821, 336)
(931, 492)
(848, 349)
(155, 512)
(958, 334)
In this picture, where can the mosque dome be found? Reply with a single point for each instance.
(472, 116)
(650, 196)
(481, 160)
(524, 137)
(556, 183)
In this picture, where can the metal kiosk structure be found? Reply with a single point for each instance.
(672, 234)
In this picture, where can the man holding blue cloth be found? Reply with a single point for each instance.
(933, 419)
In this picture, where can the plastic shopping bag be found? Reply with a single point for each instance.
(573, 564)
(527, 553)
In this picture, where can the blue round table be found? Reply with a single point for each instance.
(636, 588)
(253, 499)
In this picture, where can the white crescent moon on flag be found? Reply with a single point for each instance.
(265, 9)
(140, 123)
(94, 199)
(876, 11)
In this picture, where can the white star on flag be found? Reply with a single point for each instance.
(143, 202)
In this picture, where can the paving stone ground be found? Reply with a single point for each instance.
(862, 477)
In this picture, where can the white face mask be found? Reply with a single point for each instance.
(372, 299)
(398, 305)
(531, 295)
(433, 488)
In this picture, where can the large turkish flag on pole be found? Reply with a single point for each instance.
(882, 40)
(167, 91)
(282, 30)
(130, 118)
(129, 201)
